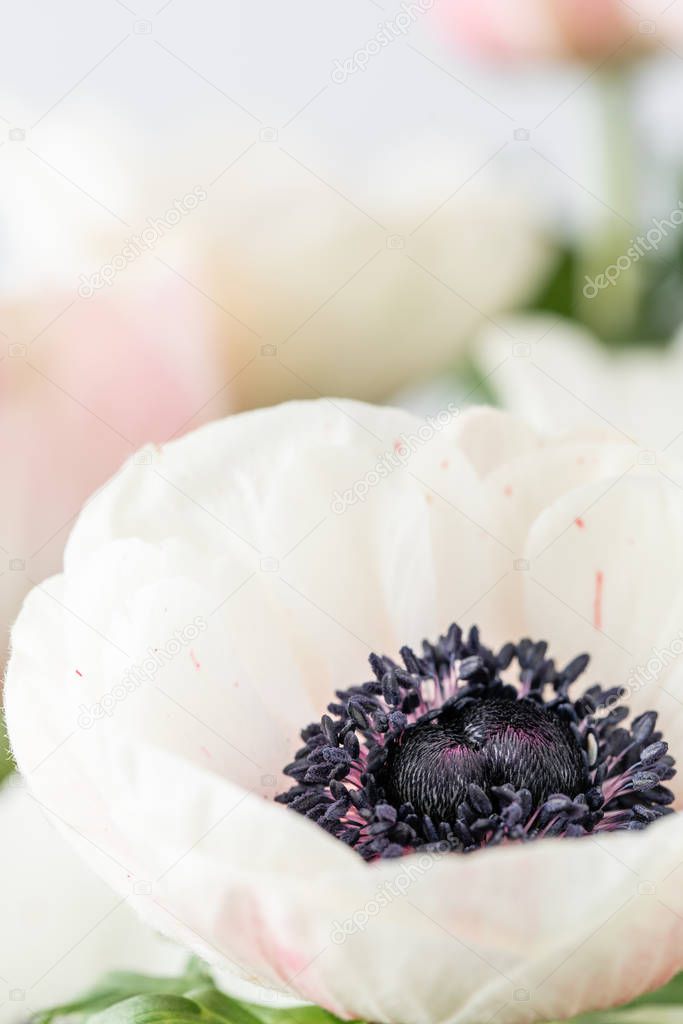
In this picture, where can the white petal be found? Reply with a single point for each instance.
(490, 438)
(556, 375)
(605, 561)
(62, 928)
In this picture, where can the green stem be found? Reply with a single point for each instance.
(612, 311)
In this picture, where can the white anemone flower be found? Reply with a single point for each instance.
(219, 591)
(559, 377)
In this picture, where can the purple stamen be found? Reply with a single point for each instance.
(443, 752)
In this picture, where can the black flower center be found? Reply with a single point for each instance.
(449, 751)
(488, 743)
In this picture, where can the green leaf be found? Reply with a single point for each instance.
(121, 985)
(670, 995)
(129, 998)
(224, 1007)
(154, 1009)
(645, 1015)
(205, 1005)
(557, 293)
(6, 760)
(294, 1015)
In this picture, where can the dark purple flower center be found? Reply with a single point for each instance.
(488, 743)
(449, 750)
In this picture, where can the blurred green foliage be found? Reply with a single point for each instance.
(656, 297)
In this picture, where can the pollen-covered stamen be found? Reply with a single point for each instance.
(445, 750)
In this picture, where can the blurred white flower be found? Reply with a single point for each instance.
(358, 294)
(306, 286)
(560, 378)
(62, 927)
(216, 594)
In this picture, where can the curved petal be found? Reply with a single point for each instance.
(556, 375)
(62, 927)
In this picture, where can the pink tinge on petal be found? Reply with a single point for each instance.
(294, 968)
(597, 603)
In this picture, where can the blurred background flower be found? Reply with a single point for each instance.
(346, 302)
(559, 377)
(552, 29)
(82, 385)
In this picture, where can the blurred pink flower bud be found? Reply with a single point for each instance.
(551, 29)
(84, 382)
